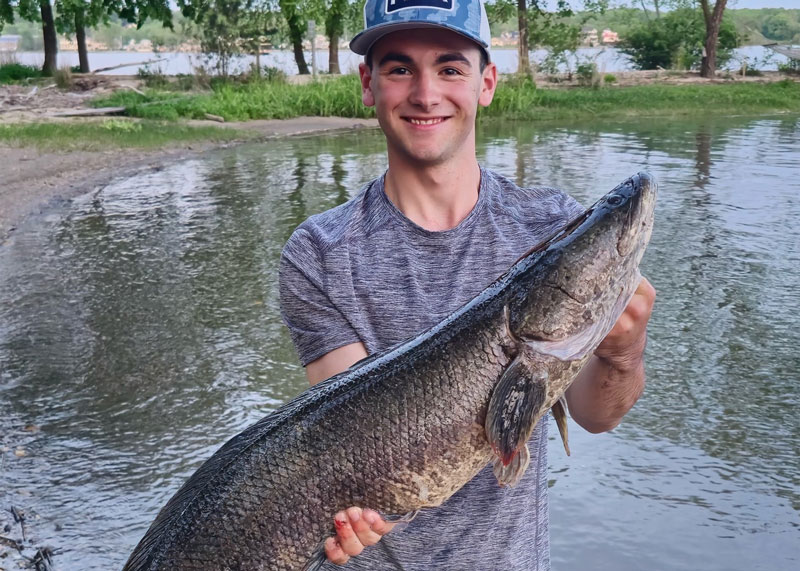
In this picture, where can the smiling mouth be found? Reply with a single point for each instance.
(433, 121)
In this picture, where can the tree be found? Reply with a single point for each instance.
(335, 16)
(35, 11)
(73, 17)
(713, 19)
(534, 22)
(227, 28)
(676, 40)
(50, 40)
(293, 13)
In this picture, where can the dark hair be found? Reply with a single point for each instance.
(484, 58)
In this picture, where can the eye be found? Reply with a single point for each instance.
(400, 71)
(451, 71)
(614, 200)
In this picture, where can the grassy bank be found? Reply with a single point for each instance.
(109, 134)
(514, 100)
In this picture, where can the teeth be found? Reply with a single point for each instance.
(425, 121)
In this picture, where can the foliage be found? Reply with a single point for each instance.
(767, 25)
(63, 77)
(587, 73)
(676, 40)
(14, 72)
(780, 27)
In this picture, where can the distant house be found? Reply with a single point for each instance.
(9, 43)
(589, 36)
(610, 37)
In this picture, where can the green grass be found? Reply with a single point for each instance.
(339, 97)
(14, 72)
(515, 99)
(644, 101)
(110, 134)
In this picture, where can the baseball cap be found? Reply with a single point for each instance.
(381, 17)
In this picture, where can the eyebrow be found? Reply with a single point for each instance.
(405, 59)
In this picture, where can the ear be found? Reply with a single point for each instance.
(488, 85)
(367, 97)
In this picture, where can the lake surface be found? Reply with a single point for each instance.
(139, 330)
(608, 60)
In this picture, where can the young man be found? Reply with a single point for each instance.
(414, 245)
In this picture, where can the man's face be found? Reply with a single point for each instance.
(426, 85)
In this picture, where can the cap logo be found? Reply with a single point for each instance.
(395, 5)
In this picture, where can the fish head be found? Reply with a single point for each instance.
(578, 283)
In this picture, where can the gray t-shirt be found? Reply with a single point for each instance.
(364, 272)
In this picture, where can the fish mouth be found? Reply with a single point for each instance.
(639, 212)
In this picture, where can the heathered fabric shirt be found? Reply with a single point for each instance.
(364, 272)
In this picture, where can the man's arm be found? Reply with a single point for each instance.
(613, 380)
(334, 362)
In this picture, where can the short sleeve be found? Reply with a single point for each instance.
(316, 325)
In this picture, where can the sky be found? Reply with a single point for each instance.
(764, 4)
(743, 3)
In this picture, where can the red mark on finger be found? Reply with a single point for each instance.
(339, 524)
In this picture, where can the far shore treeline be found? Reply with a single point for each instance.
(666, 34)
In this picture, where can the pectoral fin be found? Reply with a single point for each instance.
(559, 411)
(512, 413)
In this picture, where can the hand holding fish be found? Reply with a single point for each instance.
(613, 380)
(355, 530)
(623, 347)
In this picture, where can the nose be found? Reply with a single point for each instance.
(424, 91)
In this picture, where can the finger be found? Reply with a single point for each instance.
(334, 553)
(646, 289)
(363, 526)
(377, 523)
(637, 312)
(348, 540)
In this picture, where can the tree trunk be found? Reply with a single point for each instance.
(524, 48)
(333, 54)
(50, 40)
(708, 65)
(80, 37)
(334, 28)
(299, 56)
(297, 29)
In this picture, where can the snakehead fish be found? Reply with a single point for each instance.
(466, 392)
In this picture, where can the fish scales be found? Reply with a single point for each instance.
(434, 410)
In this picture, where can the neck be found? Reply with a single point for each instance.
(436, 197)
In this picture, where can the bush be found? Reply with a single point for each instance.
(609, 78)
(63, 77)
(587, 73)
(152, 77)
(11, 72)
(676, 40)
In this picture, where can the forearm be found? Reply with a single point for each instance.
(603, 393)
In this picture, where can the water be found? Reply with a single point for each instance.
(139, 329)
(608, 60)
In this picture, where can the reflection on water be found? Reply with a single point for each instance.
(139, 329)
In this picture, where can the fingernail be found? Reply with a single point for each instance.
(340, 520)
(370, 516)
(353, 514)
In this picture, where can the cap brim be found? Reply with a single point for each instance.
(363, 41)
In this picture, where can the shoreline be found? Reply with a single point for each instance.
(35, 176)
(33, 179)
